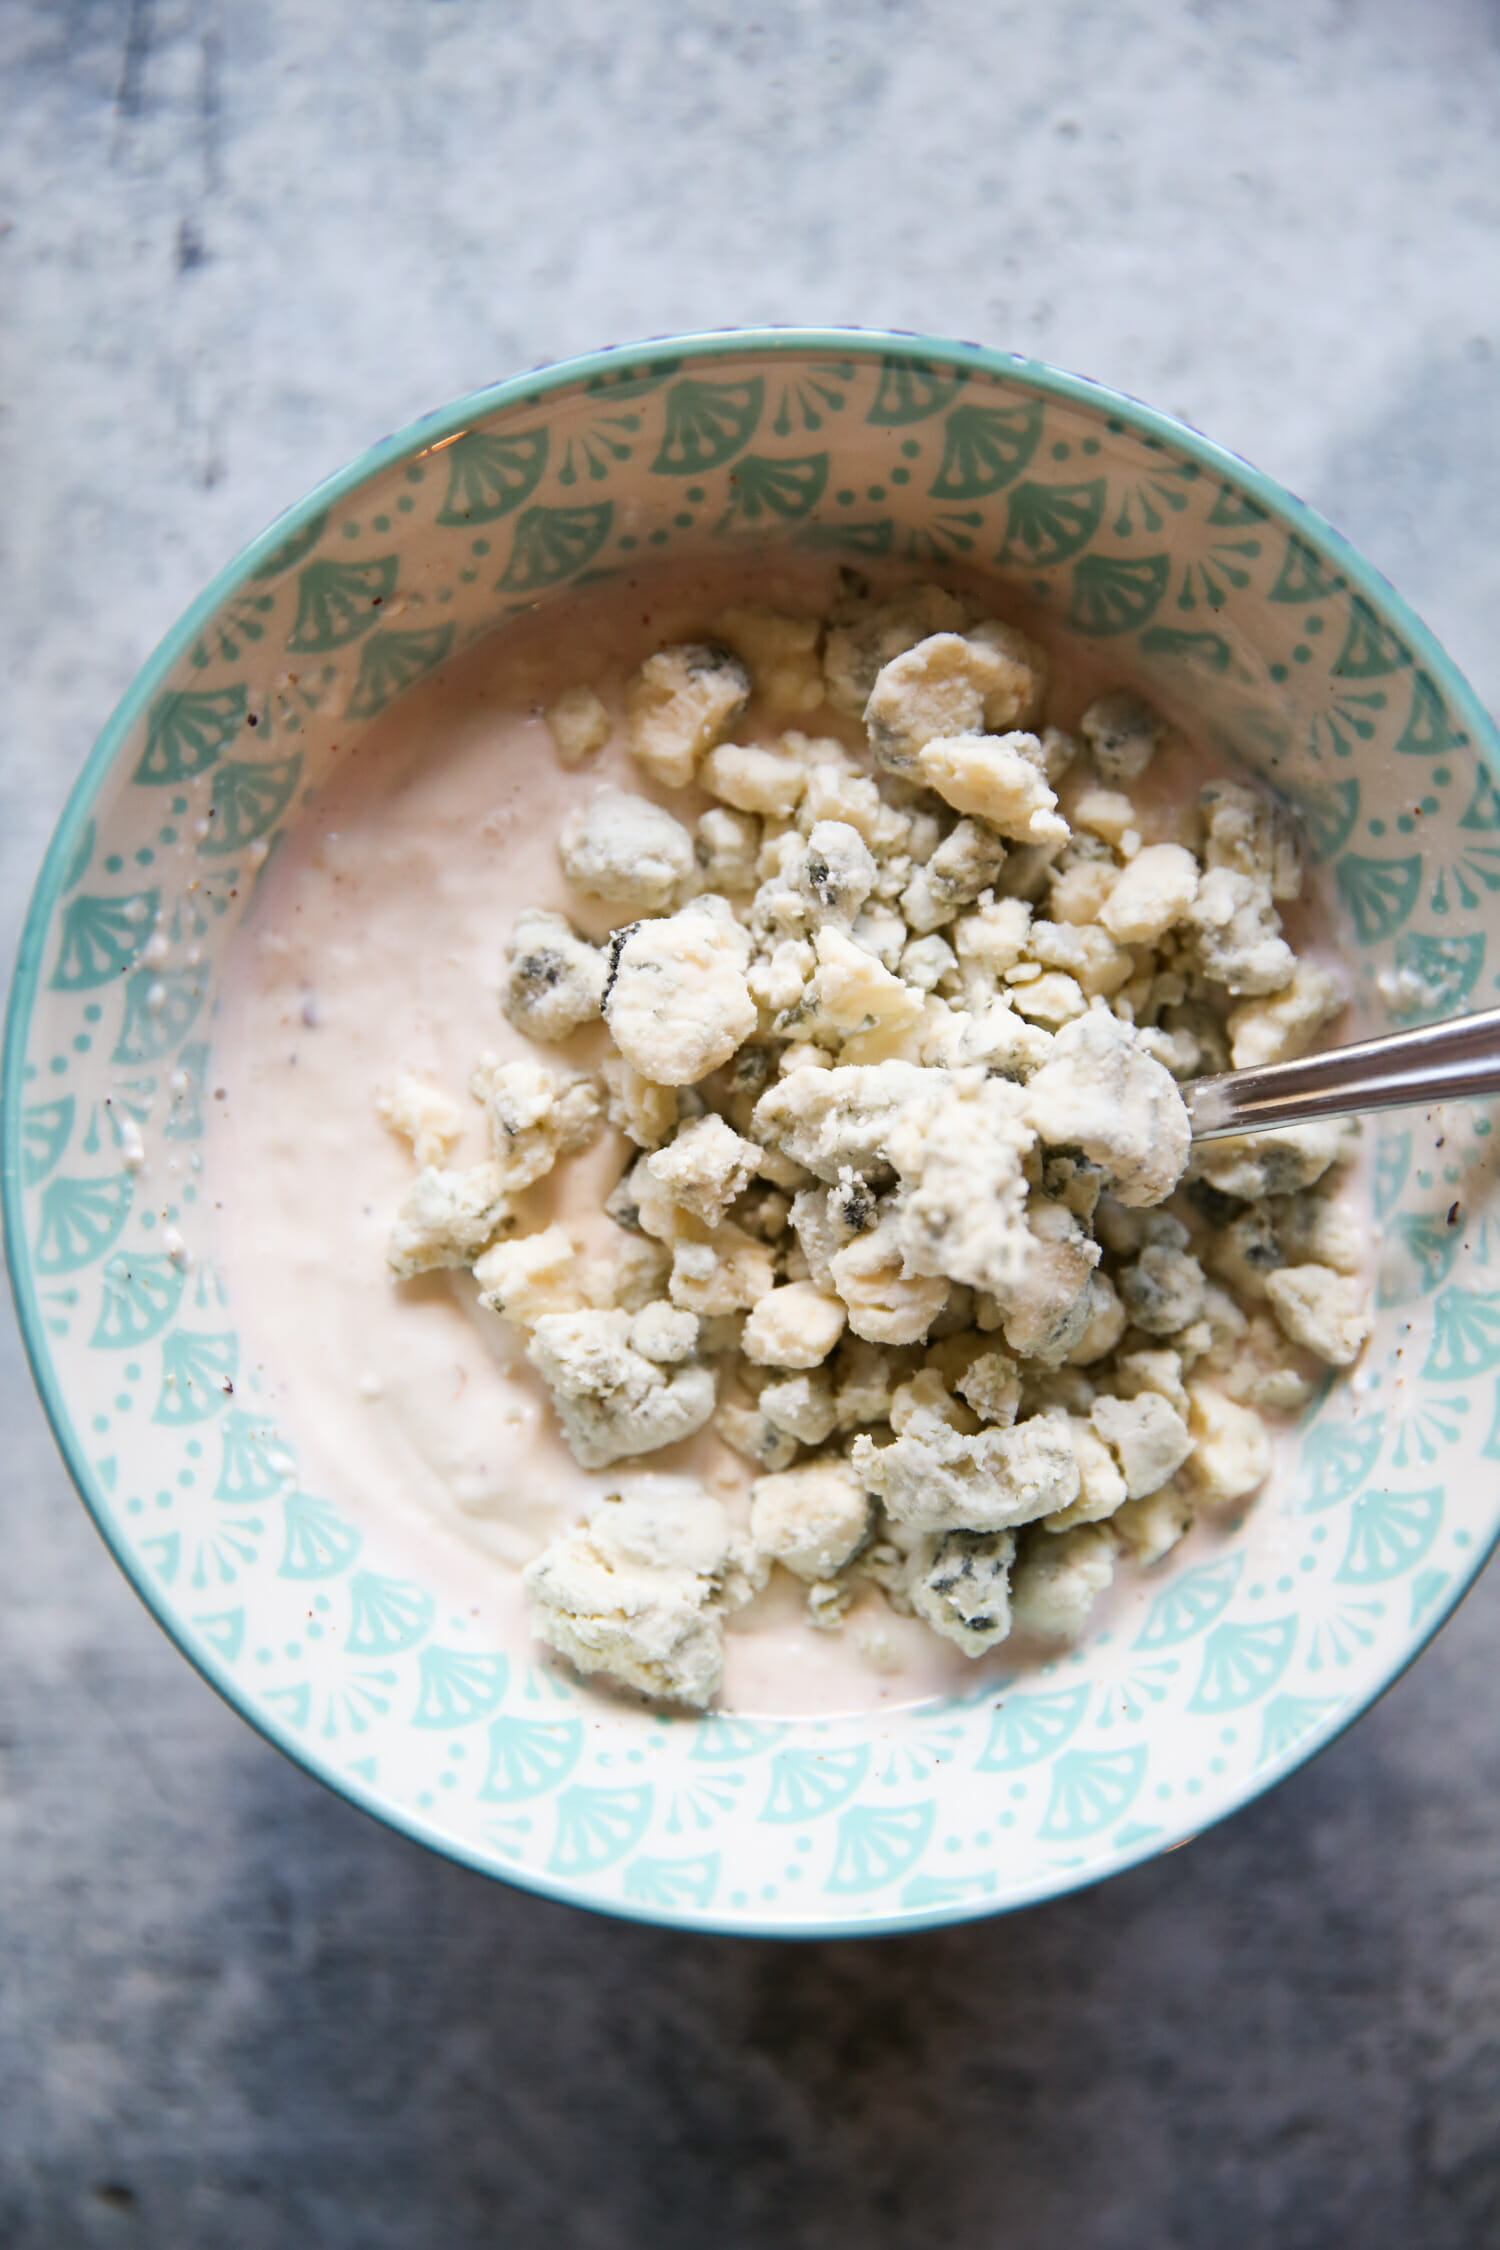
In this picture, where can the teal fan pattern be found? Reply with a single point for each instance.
(1186, 575)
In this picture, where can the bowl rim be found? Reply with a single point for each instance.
(532, 387)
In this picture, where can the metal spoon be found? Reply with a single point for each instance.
(1438, 1062)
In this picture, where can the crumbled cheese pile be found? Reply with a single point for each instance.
(897, 1037)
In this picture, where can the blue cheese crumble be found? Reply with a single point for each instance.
(894, 1027)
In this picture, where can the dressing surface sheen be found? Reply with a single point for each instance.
(375, 946)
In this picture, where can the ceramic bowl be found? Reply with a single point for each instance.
(1192, 576)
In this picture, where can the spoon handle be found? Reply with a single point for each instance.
(1438, 1062)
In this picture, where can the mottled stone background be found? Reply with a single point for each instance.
(238, 240)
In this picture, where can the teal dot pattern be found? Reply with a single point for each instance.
(1212, 1674)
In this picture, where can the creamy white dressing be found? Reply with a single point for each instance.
(375, 947)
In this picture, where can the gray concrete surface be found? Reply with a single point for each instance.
(240, 238)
